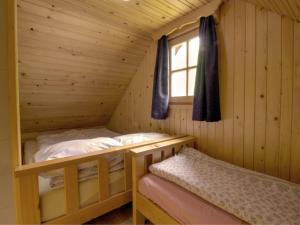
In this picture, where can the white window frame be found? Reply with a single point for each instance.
(182, 38)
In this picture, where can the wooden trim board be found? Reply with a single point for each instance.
(193, 17)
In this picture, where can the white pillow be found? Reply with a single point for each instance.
(77, 147)
(129, 139)
(46, 140)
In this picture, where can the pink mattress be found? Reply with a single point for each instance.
(182, 205)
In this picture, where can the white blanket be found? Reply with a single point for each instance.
(251, 196)
(79, 147)
(46, 140)
(130, 139)
(59, 146)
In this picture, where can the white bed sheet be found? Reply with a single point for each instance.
(88, 188)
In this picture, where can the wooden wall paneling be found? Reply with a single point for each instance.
(196, 132)
(286, 97)
(64, 13)
(228, 75)
(273, 93)
(249, 122)
(254, 86)
(183, 123)
(189, 122)
(290, 8)
(203, 136)
(84, 9)
(211, 138)
(138, 103)
(295, 150)
(239, 83)
(147, 21)
(131, 108)
(144, 110)
(135, 105)
(149, 86)
(167, 125)
(177, 121)
(55, 40)
(222, 69)
(69, 47)
(261, 79)
(172, 121)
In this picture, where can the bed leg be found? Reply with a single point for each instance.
(138, 170)
(137, 217)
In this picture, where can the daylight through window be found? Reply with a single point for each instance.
(184, 57)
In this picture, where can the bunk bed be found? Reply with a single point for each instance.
(58, 184)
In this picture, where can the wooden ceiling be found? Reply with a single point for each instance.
(76, 57)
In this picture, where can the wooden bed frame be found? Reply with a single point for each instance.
(142, 158)
(27, 187)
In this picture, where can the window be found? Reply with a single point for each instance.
(183, 63)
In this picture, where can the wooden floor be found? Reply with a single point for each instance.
(118, 216)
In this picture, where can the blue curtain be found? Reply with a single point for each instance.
(206, 105)
(160, 98)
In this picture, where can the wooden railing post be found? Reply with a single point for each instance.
(71, 189)
(128, 171)
(138, 170)
(27, 188)
(103, 178)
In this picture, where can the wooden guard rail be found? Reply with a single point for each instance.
(28, 187)
(142, 158)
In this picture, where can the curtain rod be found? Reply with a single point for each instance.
(193, 27)
(208, 9)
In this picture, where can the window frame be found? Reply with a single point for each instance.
(172, 42)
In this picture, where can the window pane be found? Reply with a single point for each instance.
(193, 51)
(179, 53)
(191, 84)
(178, 84)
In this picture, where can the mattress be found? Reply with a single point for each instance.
(44, 140)
(88, 189)
(50, 195)
(181, 204)
(251, 196)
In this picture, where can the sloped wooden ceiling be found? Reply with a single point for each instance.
(76, 57)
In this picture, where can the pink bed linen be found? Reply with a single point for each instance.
(182, 205)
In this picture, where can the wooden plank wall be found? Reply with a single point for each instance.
(260, 88)
(290, 8)
(78, 57)
(7, 206)
(74, 67)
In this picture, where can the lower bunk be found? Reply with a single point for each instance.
(176, 184)
(76, 188)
